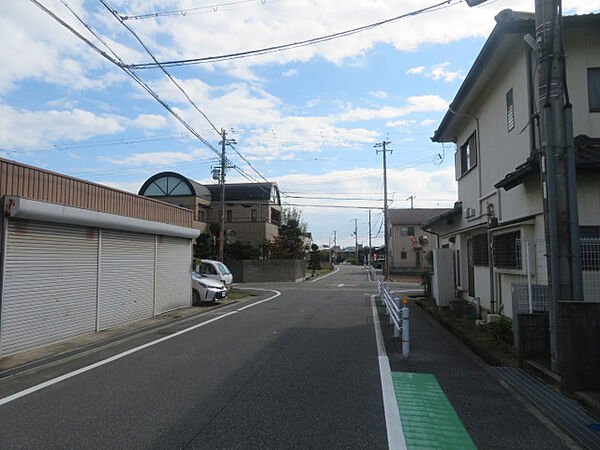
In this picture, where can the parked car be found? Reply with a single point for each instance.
(217, 270)
(205, 289)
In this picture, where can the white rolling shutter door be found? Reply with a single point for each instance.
(126, 277)
(49, 284)
(173, 273)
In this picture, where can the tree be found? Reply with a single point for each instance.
(315, 258)
(241, 250)
(290, 243)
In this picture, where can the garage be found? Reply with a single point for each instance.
(98, 259)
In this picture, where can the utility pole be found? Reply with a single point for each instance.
(356, 239)
(557, 164)
(383, 145)
(370, 246)
(223, 168)
(411, 198)
(335, 245)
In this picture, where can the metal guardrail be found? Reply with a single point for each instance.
(398, 315)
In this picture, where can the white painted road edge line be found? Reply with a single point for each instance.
(393, 424)
(277, 294)
(337, 269)
(45, 384)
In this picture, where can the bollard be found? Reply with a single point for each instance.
(405, 335)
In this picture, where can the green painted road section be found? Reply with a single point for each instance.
(428, 419)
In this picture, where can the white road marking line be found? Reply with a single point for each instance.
(395, 434)
(277, 294)
(325, 276)
(74, 373)
(340, 285)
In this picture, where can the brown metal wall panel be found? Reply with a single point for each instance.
(37, 184)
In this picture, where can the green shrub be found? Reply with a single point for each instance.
(500, 332)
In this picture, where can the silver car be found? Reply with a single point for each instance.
(205, 289)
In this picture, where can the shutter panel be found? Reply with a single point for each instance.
(126, 277)
(173, 273)
(49, 284)
(457, 163)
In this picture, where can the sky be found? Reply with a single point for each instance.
(307, 118)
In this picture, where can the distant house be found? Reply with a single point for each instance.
(496, 232)
(252, 210)
(407, 241)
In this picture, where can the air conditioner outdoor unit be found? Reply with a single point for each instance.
(470, 212)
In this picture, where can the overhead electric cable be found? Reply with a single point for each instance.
(186, 11)
(122, 22)
(123, 67)
(279, 48)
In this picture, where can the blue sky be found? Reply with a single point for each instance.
(306, 118)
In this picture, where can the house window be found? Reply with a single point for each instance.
(200, 214)
(229, 215)
(510, 110)
(466, 156)
(594, 89)
(507, 251)
(480, 250)
(254, 215)
(402, 255)
(407, 231)
(590, 247)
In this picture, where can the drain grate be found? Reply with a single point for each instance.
(564, 412)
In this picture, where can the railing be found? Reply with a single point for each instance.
(398, 316)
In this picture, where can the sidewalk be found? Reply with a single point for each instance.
(490, 414)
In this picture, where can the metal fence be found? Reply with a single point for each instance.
(398, 316)
(531, 290)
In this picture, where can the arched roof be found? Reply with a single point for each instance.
(247, 191)
(172, 184)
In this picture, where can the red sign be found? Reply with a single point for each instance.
(375, 257)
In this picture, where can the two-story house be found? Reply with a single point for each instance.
(408, 242)
(496, 231)
(252, 210)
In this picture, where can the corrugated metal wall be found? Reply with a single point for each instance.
(126, 277)
(62, 281)
(173, 273)
(29, 182)
(49, 284)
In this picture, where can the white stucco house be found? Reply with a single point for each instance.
(500, 205)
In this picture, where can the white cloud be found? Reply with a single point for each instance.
(312, 103)
(426, 122)
(417, 103)
(290, 73)
(25, 128)
(159, 158)
(438, 72)
(402, 124)
(415, 70)
(379, 94)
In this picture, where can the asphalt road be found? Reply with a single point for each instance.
(298, 371)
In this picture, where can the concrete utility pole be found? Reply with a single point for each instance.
(559, 185)
(411, 198)
(383, 145)
(370, 245)
(335, 245)
(223, 168)
(356, 239)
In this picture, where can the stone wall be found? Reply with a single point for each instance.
(263, 271)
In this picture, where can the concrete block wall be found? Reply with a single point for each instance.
(264, 271)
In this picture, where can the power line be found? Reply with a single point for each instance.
(119, 63)
(279, 48)
(122, 22)
(184, 12)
